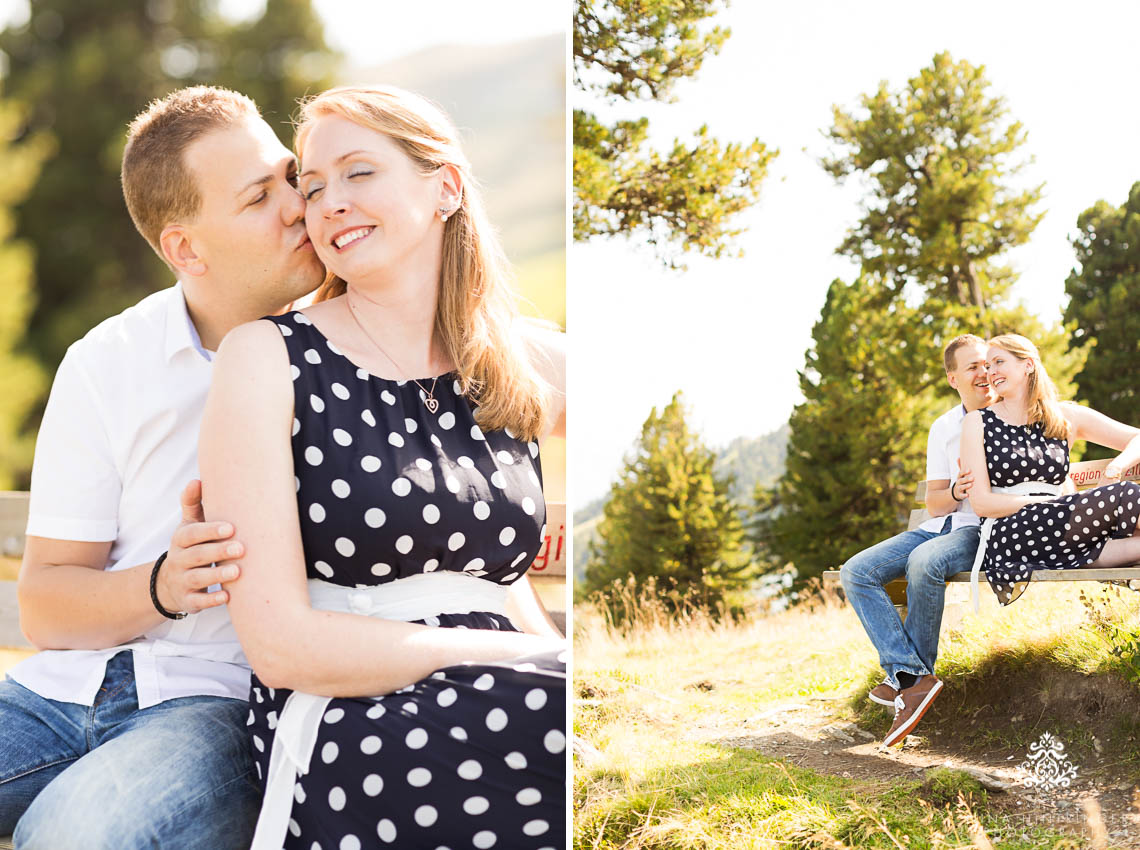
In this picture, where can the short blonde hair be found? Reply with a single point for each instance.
(950, 355)
(476, 308)
(158, 185)
(1041, 399)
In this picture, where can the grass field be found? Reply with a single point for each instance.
(698, 734)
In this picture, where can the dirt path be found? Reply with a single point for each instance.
(809, 734)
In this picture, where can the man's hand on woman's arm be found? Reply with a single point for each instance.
(68, 600)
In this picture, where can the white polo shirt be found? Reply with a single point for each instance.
(943, 448)
(118, 442)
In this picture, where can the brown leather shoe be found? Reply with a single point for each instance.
(910, 705)
(884, 694)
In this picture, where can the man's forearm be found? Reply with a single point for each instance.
(940, 502)
(65, 606)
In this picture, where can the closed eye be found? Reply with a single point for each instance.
(259, 199)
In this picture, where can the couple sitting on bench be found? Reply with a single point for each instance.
(1000, 502)
(371, 522)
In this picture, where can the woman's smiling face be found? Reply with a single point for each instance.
(1007, 374)
(369, 206)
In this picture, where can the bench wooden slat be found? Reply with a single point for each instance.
(13, 521)
(10, 634)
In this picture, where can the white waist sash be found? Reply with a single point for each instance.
(1024, 488)
(413, 598)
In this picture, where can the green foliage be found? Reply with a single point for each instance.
(82, 71)
(938, 157)
(1121, 638)
(21, 379)
(642, 47)
(669, 519)
(1104, 303)
(677, 201)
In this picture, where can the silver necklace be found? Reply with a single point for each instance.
(430, 402)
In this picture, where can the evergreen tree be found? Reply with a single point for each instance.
(678, 201)
(938, 157)
(1104, 302)
(82, 71)
(22, 381)
(669, 518)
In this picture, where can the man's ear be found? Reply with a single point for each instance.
(952, 379)
(179, 251)
(450, 188)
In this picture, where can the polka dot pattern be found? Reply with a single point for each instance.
(1066, 532)
(466, 756)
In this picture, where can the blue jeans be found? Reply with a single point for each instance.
(113, 777)
(926, 559)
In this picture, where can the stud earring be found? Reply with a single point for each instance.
(444, 213)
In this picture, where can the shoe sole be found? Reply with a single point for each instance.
(889, 703)
(904, 730)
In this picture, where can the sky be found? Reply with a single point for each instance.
(731, 334)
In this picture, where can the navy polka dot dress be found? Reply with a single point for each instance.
(1066, 532)
(472, 756)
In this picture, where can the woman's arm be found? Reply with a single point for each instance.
(526, 611)
(1090, 425)
(247, 477)
(984, 501)
(547, 348)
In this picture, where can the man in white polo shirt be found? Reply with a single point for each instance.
(128, 729)
(942, 546)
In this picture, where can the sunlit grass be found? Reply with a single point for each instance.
(659, 698)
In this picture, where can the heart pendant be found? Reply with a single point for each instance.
(431, 404)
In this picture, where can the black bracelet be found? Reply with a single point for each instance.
(154, 591)
(952, 496)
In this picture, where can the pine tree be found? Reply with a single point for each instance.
(939, 157)
(669, 518)
(681, 200)
(1104, 302)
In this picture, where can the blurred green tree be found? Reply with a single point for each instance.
(670, 519)
(82, 71)
(678, 201)
(22, 380)
(1104, 302)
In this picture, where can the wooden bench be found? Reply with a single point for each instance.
(1085, 476)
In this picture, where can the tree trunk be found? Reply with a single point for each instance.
(975, 286)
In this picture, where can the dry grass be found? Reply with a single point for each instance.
(644, 777)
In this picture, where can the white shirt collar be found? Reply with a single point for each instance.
(180, 332)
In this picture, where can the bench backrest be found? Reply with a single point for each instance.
(1085, 475)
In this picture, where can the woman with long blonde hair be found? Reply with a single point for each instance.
(1020, 446)
(378, 453)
